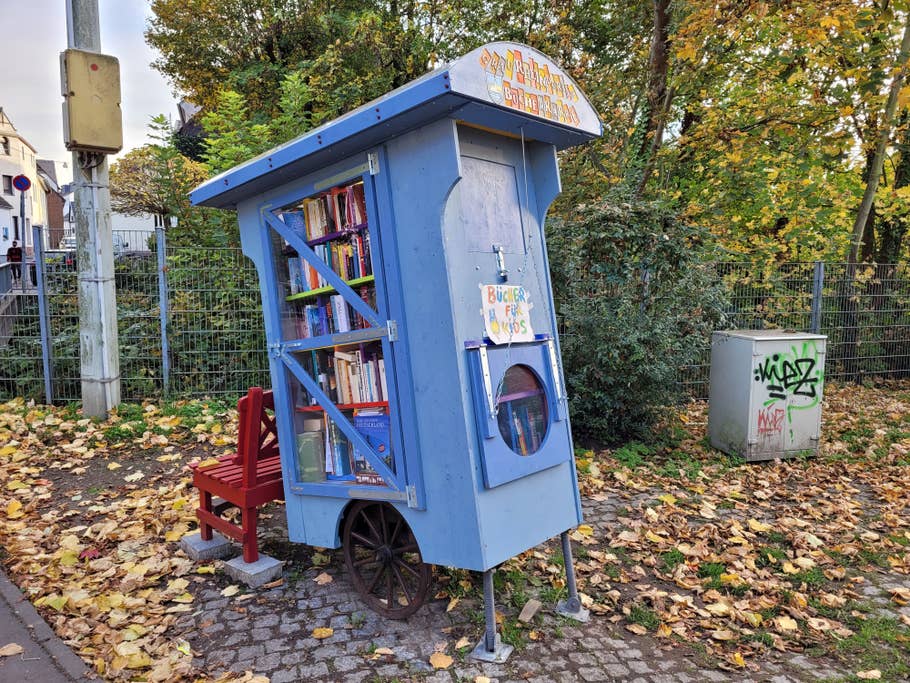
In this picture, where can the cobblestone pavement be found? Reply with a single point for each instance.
(269, 632)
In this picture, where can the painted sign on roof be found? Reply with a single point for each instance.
(521, 78)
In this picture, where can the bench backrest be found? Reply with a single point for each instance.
(258, 437)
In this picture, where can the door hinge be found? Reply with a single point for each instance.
(392, 328)
(487, 381)
(373, 162)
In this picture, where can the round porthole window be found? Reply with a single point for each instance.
(522, 410)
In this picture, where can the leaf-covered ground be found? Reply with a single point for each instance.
(741, 562)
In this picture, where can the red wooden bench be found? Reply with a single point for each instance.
(247, 479)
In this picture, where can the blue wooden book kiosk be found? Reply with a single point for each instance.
(421, 409)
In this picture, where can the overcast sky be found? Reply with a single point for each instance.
(34, 34)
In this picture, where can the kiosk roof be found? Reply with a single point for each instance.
(503, 86)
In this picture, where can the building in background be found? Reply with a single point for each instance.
(55, 201)
(17, 157)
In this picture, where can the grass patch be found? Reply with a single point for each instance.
(124, 431)
(711, 570)
(638, 614)
(632, 455)
(873, 557)
(672, 559)
(858, 438)
(131, 412)
(878, 643)
(777, 538)
(762, 637)
(769, 556)
(811, 577)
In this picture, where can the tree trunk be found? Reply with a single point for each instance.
(659, 98)
(878, 160)
(892, 231)
(847, 294)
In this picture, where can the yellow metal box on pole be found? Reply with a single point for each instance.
(92, 119)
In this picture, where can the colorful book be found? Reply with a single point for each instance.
(375, 427)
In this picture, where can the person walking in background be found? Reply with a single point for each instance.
(14, 257)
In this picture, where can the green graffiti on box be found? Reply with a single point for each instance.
(795, 377)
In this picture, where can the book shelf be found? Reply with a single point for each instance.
(344, 406)
(328, 289)
(332, 226)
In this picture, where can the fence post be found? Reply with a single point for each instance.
(818, 282)
(163, 309)
(44, 322)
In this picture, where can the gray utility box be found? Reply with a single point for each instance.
(766, 392)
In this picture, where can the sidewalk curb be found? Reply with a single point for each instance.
(63, 657)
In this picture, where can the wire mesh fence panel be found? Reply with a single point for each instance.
(215, 330)
(757, 298)
(863, 309)
(21, 371)
(866, 315)
(138, 325)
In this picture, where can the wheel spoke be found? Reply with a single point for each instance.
(366, 561)
(382, 525)
(366, 518)
(394, 535)
(401, 582)
(389, 595)
(375, 579)
(409, 548)
(370, 543)
(404, 565)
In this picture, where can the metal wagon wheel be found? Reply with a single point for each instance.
(384, 561)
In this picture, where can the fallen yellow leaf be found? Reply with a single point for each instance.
(230, 591)
(322, 632)
(870, 675)
(14, 510)
(440, 660)
(10, 649)
(759, 527)
(785, 623)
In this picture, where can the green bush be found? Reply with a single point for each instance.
(636, 305)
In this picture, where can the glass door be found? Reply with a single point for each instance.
(335, 344)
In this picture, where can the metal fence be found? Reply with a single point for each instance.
(864, 309)
(190, 321)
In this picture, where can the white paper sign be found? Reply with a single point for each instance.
(506, 313)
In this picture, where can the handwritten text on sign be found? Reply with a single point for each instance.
(506, 313)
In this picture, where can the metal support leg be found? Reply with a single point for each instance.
(490, 648)
(571, 607)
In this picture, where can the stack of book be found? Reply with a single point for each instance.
(330, 315)
(349, 377)
(337, 210)
(348, 256)
(343, 462)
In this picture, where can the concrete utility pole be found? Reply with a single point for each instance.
(99, 346)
